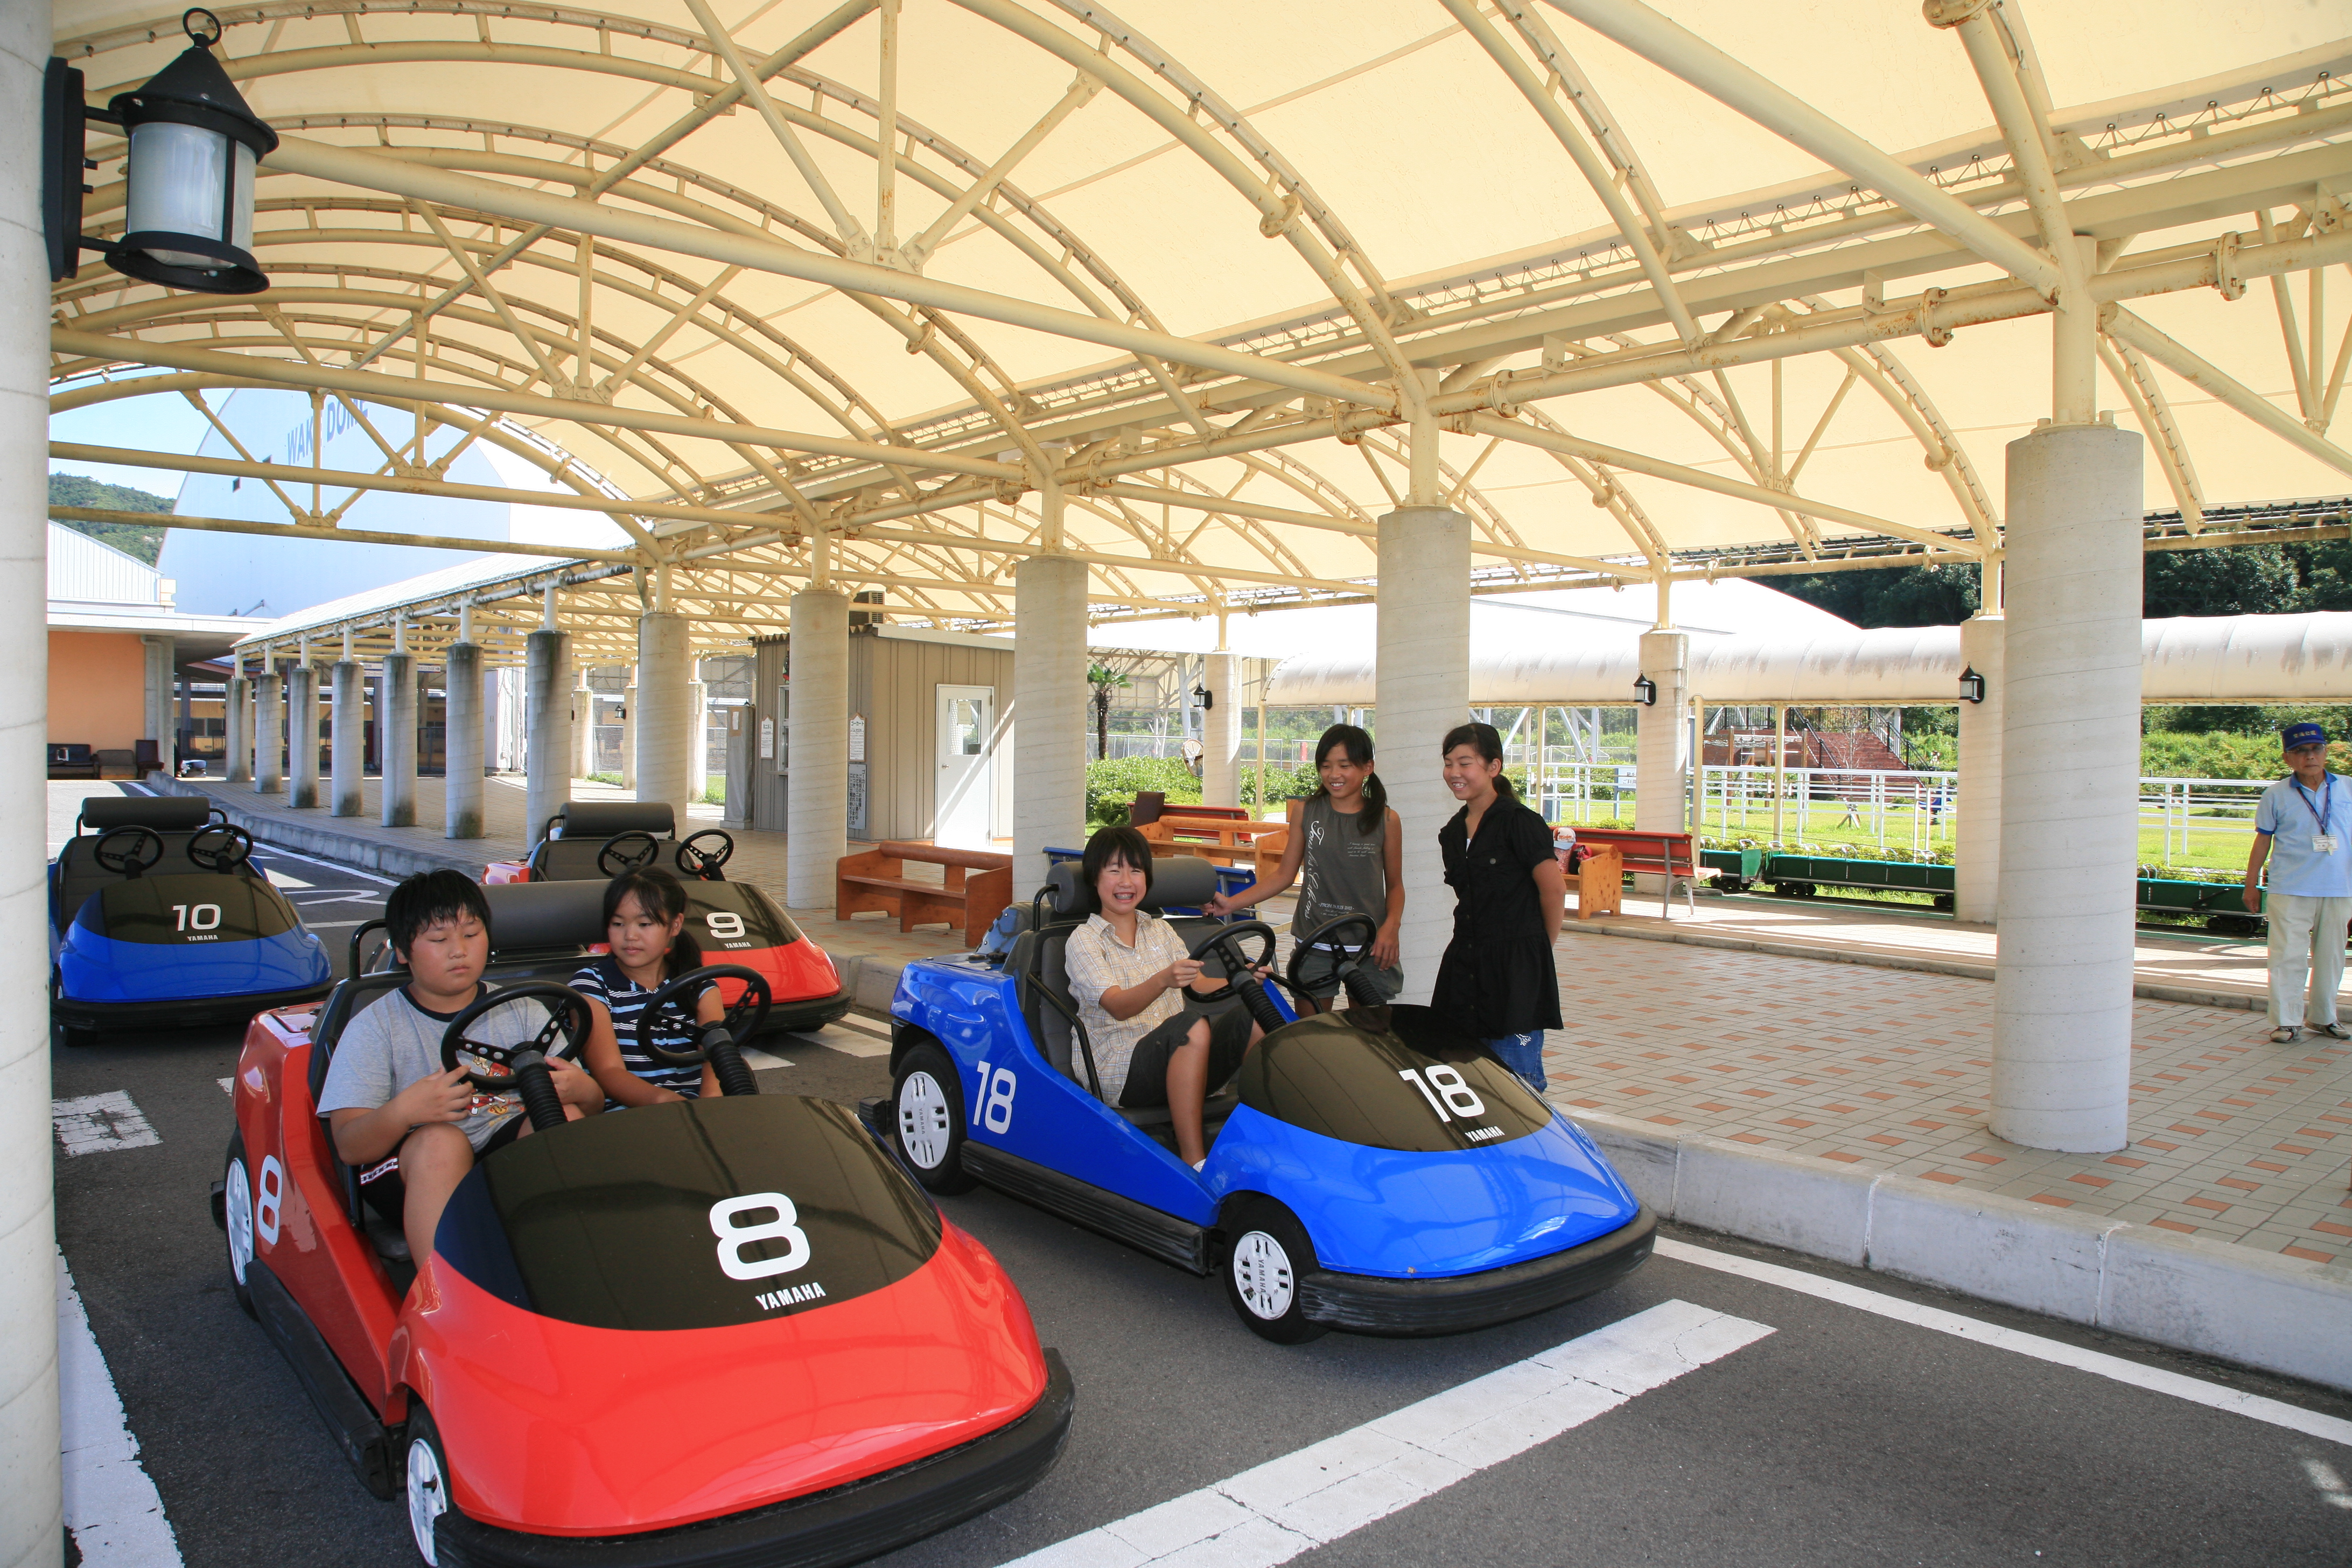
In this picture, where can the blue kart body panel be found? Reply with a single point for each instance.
(182, 948)
(1539, 1189)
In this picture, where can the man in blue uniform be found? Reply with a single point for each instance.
(2304, 828)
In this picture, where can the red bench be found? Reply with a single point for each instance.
(1667, 854)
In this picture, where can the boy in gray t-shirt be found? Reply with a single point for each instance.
(411, 1128)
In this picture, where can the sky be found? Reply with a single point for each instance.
(160, 424)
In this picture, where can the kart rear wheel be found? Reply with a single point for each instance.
(237, 1219)
(1264, 1268)
(926, 1118)
(427, 1482)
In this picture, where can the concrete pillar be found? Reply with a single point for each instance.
(816, 797)
(1662, 741)
(234, 709)
(269, 732)
(162, 687)
(396, 739)
(347, 737)
(584, 727)
(1975, 822)
(461, 740)
(1049, 713)
(32, 1527)
(547, 729)
(658, 711)
(302, 736)
(2070, 798)
(697, 738)
(1221, 738)
(1423, 690)
(629, 732)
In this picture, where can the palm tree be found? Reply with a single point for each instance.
(1105, 681)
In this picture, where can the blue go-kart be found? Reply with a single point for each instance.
(158, 918)
(1372, 1169)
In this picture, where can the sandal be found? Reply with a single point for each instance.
(2283, 1035)
(2335, 1031)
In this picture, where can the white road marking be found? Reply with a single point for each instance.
(2331, 1485)
(1327, 1490)
(331, 925)
(274, 850)
(759, 1058)
(228, 1085)
(329, 896)
(111, 1506)
(863, 1025)
(2277, 1413)
(851, 1036)
(98, 1122)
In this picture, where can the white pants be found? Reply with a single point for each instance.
(2306, 938)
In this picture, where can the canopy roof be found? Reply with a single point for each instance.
(1130, 285)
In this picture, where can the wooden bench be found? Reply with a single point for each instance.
(977, 886)
(1667, 854)
(1224, 841)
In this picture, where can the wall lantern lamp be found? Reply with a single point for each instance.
(1972, 686)
(1646, 689)
(195, 142)
(1205, 697)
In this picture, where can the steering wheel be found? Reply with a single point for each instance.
(1225, 943)
(234, 850)
(1351, 954)
(622, 852)
(703, 864)
(565, 1031)
(141, 849)
(721, 1042)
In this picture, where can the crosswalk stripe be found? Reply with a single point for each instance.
(98, 1122)
(1316, 1494)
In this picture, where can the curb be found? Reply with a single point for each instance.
(2152, 989)
(388, 859)
(2217, 1299)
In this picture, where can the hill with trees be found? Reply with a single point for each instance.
(145, 542)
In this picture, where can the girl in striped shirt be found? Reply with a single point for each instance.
(644, 924)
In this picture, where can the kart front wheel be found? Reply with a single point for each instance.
(237, 1219)
(1264, 1268)
(927, 1118)
(428, 1484)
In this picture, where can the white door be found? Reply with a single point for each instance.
(962, 795)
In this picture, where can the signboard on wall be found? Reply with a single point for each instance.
(767, 737)
(858, 800)
(857, 737)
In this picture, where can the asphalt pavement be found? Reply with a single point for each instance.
(1841, 1435)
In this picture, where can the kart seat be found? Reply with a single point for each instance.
(176, 819)
(574, 836)
(1039, 957)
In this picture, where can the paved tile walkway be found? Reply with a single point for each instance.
(1875, 1068)
(2232, 1138)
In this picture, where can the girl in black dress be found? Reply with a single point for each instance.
(1497, 979)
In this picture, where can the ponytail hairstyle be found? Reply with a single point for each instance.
(662, 896)
(1358, 747)
(1482, 739)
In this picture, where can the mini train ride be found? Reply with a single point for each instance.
(158, 918)
(734, 922)
(722, 1333)
(1374, 1169)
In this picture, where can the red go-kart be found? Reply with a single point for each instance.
(734, 922)
(719, 1333)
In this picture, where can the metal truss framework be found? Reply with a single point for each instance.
(544, 290)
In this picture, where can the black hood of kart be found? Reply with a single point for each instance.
(1359, 1076)
(666, 1216)
(186, 909)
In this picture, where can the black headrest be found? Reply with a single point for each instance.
(1186, 881)
(525, 915)
(603, 819)
(163, 813)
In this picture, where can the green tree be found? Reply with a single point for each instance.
(1105, 681)
(146, 543)
(2243, 580)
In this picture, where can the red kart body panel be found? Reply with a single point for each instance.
(556, 1429)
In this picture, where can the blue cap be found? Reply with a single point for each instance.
(2296, 735)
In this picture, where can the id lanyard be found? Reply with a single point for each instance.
(2326, 806)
